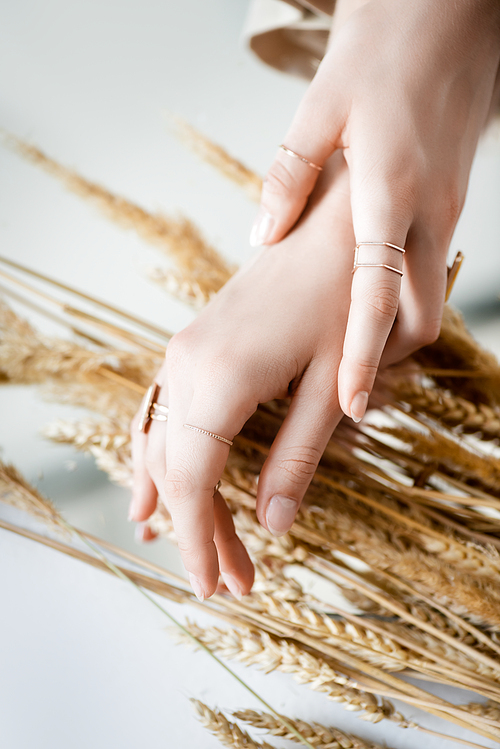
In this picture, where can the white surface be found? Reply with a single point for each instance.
(83, 661)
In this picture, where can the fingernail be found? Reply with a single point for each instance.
(197, 587)
(358, 406)
(140, 530)
(261, 230)
(232, 585)
(281, 514)
(132, 510)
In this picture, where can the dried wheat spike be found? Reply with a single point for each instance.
(453, 457)
(100, 395)
(106, 440)
(179, 237)
(16, 491)
(318, 735)
(457, 349)
(228, 733)
(449, 409)
(488, 709)
(352, 637)
(27, 356)
(181, 286)
(255, 647)
(219, 158)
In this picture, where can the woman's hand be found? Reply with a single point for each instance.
(404, 90)
(275, 330)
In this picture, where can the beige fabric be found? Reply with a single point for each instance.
(290, 35)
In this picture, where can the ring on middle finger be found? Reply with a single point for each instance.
(357, 264)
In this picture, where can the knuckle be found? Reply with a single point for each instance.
(366, 369)
(383, 301)
(280, 181)
(298, 465)
(177, 351)
(452, 204)
(218, 371)
(193, 555)
(178, 486)
(427, 333)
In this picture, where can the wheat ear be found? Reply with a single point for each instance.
(228, 733)
(179, 237)
(320, 736)
(219, 158)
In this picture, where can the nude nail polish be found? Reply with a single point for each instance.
(232, 585)
(262, 229)
(281, 514)
(358, 406)
(197, 587)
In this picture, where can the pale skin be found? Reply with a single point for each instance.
(394, 115)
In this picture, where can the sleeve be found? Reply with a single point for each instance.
(290, 35)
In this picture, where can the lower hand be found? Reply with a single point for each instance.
(274, 331)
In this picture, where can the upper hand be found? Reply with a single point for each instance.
(404, 90)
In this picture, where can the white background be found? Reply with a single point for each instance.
(83, 661)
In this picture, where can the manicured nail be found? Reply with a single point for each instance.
(232, 585)
(132, 510)
(197, 587)
(139, 533)
(261, 230)
(358, 406)
(281, 514)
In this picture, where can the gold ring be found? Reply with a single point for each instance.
(294, 155)
(152, 409)
(209, 434)
(453, 273)
(376, 265)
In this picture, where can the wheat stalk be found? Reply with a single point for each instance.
(181, 286)
(450, 410)
(320, 736)
(228, 733)
(28, 357)
(106, 440)
(456, 349)
(179, 237)
(254, 647)
(219, 158)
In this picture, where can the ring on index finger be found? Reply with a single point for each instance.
(151, 409)
(357, 264)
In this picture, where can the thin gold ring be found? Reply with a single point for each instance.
(453, 273)
(376, 265)
(385, 244)
(151, 408)
(300, 158)
(209, 434)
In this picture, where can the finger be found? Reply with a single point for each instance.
(144, 534)
(378, 216)
(235, 566)
(195, 464)
(313, 415)
(314, 135)
(144, 493)
(421, 305)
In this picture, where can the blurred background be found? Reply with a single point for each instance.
(93, 84)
